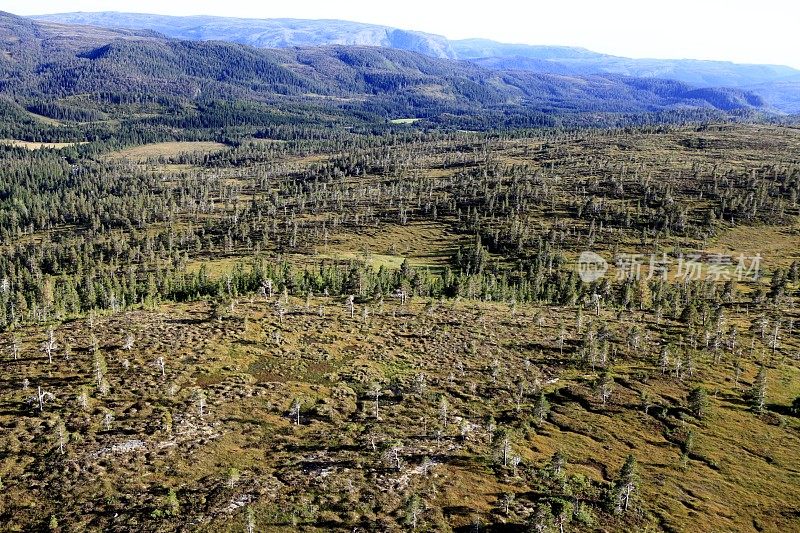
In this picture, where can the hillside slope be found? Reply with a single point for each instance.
(582, 61)
(47, 64)
(769, 81)
(267, 33)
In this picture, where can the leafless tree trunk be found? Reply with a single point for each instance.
(376, 392)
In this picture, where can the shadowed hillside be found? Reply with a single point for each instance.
(769, 81)
(45, 67)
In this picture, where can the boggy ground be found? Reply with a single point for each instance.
(214, 441)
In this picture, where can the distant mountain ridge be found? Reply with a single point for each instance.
(777, 85)
(267, 33)
(87, 74)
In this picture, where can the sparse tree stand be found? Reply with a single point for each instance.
(625, 486)
(508, 500)
(413, 510)
(541, 409)
(562, 511)
(605, 387)
(160, 219)
(504, 445)
(250, 520)
(698, 402)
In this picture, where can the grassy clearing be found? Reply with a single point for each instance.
(424, 244)
(166, 150)
(45, 120)
(38, 145)
(215, 268)
(778, 246)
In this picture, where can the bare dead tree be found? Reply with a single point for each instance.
(443, 406)
(268, 288)
(49, 345)
(294, 411)
(108, 417)
(61, 431)
(200, 400)
(280, 310)
(392, 454)
(40, 394)
(129, 341)
(15, 346)
(376, 392)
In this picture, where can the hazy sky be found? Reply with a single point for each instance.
(763, 31)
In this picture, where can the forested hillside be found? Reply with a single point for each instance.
(775, 83)
(78, 74)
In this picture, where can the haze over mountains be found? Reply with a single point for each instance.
(779, 86)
